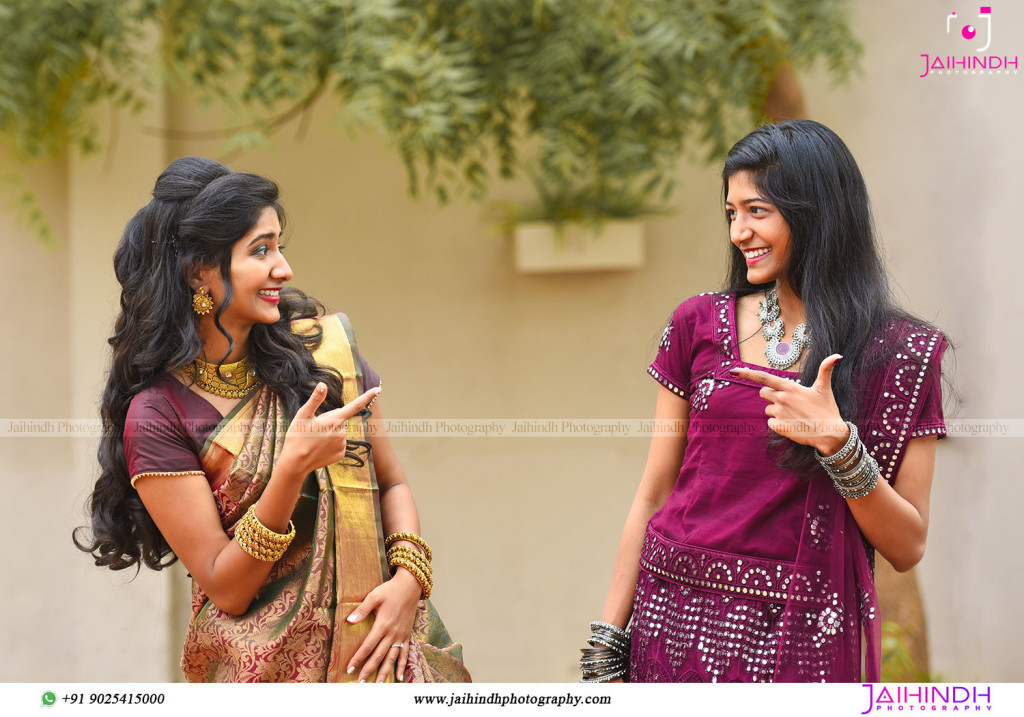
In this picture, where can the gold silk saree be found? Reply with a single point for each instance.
(295, 629)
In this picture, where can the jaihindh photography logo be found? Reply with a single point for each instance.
(928, 698)
(967, 51)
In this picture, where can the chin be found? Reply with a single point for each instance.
(760, 279)
(270, 317)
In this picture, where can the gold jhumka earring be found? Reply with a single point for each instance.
(202, 302)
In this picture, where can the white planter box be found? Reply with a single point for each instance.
(610, 245)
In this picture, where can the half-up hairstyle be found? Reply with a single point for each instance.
(200, 208)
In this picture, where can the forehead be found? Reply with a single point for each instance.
(268, 223)
(740, 187)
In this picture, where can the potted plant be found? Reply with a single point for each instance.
(577, 233)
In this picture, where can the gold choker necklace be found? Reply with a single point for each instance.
(235, 380)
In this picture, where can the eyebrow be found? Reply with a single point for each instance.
(749, 201)
(267, 235)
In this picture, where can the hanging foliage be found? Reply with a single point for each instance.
(594, 100)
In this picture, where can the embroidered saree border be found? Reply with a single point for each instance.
(357, 522)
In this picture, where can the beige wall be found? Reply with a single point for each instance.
(67, 620)
(525, 530)
(35, 470)
(942, 158)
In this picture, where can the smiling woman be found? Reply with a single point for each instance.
(253, 292)
(757, 229)
(215, 362)
(777, 469)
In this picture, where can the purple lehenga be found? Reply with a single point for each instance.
(750, 573)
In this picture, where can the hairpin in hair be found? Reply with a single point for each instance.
(173, 241)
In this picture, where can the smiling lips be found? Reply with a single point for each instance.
(755, 255)
(272, 296)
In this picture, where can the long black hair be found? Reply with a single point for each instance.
(200, 208)
(834, 267)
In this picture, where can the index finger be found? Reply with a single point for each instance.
(353, 407)
(762, 377)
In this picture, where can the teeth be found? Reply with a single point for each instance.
(757, 252)
(267, 292)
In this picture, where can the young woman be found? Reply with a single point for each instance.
(805, 407)
(237, 441)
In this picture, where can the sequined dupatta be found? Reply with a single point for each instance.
(830, 600)
(834, 601)
(295, 629)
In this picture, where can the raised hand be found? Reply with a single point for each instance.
(313, 441)
(805, 414)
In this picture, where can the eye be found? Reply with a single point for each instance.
(730, 214)
(261, 250)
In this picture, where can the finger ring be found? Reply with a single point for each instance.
(399, 644)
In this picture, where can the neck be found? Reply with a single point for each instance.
(215, 344)
(789, 304)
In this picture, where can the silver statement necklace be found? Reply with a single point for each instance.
(781, 355)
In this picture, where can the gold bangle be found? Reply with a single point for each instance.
(259, 541)
(409, 555)
(256, 549)
(412, 538)
(425, 581)
(266, 533)
(413, 561)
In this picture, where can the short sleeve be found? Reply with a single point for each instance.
(930, 420)
(672, 364)
(909, 398)
(370, 377)
(156, 439)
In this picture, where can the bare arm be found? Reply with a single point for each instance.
(184, 510)
(664, 459)
(398, 509)
(895, 518)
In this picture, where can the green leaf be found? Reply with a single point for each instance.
(595, 101)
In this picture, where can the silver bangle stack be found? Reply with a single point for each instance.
(853, 471)
(607, 658)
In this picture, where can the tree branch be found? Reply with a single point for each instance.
(227, 132)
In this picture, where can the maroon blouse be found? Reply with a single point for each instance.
(168, 424)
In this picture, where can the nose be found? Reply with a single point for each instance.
(739, 230)
(282, 270)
